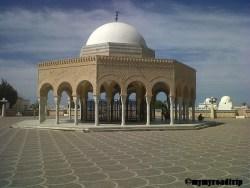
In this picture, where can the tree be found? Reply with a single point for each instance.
(8, 92)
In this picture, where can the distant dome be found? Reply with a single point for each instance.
(116, 32)
(225, 99)
(225, 103)
(207, 101)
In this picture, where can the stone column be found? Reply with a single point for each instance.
(80, 105)
(76, 99)
(187, 110)
(45, 107)
(3, 109)
(184, 110)
(123, 101)
(212, 114)
(175, 109)
(96, 99)
(148, 101)
(180, 108)
(41, 110)
(57, 102)
(69, 109)
(84, 108)
(193, 110)
(171, 100)
(109, 98)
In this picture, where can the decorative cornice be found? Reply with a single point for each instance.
(117, 59)
(133, 59)
(67, 61)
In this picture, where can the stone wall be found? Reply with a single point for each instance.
(53, 113)
(218, 113)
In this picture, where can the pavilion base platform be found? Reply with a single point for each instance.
(90, 127)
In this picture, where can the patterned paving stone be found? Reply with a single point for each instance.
(131, 182)
(213, 173)
(28, 167)
(56, 166)
(60, 180)
(58, 172)
(4, 183)
(173, 169)
(148, 172)
(82, 164)
(100, 184)
(237, 171)
(88, 170)
(45, 158)
(115, 167)
(120, 174)
(220, 164)
(197, 167)
(160, 164)
(27, 174)
(175, 185)
(192, 175)
(5, 175)
(27, 181)
(92, 177)
(129, 161)
(161, 179)
(67, 185)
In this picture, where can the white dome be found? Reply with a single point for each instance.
(225, 103)
(116, 32)
(225, 99)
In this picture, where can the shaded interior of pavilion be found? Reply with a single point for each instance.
(113, 108)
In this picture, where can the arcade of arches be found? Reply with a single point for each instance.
(134, 102)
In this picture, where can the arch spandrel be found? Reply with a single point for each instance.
(109, 80)
(170, 84)
(77, 89)
(44, 88)
(135, 78)
(136, 86)
(64, 86)
(83, 87)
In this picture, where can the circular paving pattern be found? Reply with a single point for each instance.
(147, 159)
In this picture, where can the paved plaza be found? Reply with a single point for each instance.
(50, 158)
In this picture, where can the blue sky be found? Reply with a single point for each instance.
(211, 36)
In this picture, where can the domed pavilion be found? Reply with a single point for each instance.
(116, 80)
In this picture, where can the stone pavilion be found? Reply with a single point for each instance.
(116, 80)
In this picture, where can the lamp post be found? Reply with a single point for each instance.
(212, 102)
(3, 101)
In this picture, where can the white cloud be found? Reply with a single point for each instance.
(215, 42)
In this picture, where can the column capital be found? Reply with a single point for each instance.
(75, 97)
(172, 97)
(69, 99)
(123, 98)
(148, 98)
(96, 97)
(56, 99)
